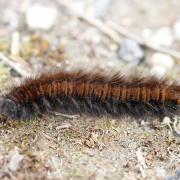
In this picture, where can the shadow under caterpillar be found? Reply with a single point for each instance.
(94, 94)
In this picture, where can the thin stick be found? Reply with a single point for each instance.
(19, 68)
(113, 31)
(124, 32)
(102, 27)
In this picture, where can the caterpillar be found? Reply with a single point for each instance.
(94, 94)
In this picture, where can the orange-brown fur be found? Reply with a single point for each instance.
(95, 90)
(85, 85)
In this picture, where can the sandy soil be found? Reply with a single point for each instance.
(87, 147)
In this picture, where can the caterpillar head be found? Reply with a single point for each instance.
(8, 108)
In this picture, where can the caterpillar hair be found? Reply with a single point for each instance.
(93, 94)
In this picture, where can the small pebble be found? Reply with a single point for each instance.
(41, 17)
(15, 158)
(130, 52)
(158, 71)
(161, 59)
(78, 7)
(162, 37)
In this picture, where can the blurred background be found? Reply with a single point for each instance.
(40, 35)
(133, 36)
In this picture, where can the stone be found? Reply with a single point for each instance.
(161, 59)
(162, 37)
(130, 52)
(15, 158)
(158, 71)
(41, 17)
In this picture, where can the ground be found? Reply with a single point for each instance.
(64, 147)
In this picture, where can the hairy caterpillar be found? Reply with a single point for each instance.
(91, 93)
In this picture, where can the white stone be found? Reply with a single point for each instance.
(78, 7)
(15, 158)
(41, 17)
(158, 71)
(177, 30)
(161, 59)
(162, 37)
(130, 52)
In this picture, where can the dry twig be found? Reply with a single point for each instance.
(18, 67)
(113, 31)
(124, 32)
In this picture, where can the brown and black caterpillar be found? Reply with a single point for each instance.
(92, 94)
